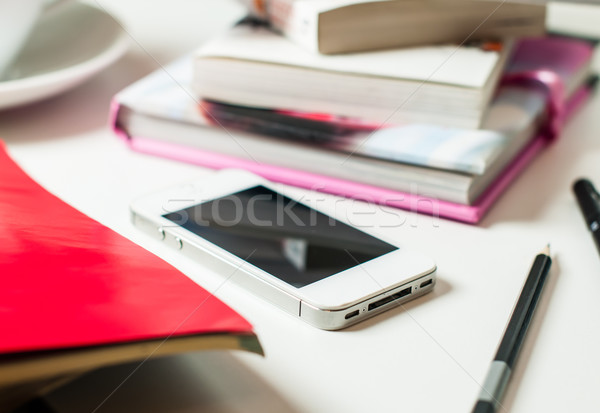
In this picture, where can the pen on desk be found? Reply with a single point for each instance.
(589, 203)
(504, 361)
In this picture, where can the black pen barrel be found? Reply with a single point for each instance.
(501, 367)
(596, 236)
(523, 312)
(588, 200)
(484, 407)
(589, 203)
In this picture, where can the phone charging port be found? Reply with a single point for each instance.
(426, 283)
(352, 314)
(390, 298)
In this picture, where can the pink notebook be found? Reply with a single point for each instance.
(559, 111)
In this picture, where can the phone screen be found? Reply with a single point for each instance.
(283, 237)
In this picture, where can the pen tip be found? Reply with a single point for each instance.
(546, 250)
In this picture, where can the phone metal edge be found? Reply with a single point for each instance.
(321, 318)
(336, 319)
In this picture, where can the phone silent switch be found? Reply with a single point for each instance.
(173, 241)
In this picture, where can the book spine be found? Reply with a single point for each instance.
(393, 24)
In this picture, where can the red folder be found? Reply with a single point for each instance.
(74, 291)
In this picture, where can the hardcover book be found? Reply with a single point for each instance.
(344, 26)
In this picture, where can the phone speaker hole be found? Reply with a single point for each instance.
(352, 314)
(390, 298)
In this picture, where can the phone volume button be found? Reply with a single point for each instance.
(161, 233)
(178, 243)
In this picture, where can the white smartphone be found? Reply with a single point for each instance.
(314, 266)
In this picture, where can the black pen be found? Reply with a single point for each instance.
(503, 364)
(589, 203)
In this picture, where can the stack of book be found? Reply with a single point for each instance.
(448, 123)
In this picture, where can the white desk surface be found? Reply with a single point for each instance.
(429, 356)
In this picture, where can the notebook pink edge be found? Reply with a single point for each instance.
(470, 214)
